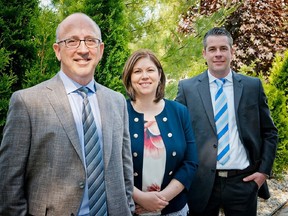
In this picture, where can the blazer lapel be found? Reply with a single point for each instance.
(59, 101)
(106, 121)
(205, 95)
(238, 88)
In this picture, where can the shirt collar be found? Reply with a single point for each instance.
(71, 86)
(228, 77)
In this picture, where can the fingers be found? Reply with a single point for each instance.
(248, 178)
(161, 197)
(151, 202)
(259, 178)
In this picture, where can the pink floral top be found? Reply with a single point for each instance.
(154, 159)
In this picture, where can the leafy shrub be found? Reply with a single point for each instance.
(6, 82)
(277, 92)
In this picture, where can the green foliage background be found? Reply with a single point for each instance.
(27, 33)
(277, 92)
(275, 88)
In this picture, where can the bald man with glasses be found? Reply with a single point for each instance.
(52, 130)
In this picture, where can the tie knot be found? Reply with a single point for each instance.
(220, 82)
(83, 91)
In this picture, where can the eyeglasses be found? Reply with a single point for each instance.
(75, 43)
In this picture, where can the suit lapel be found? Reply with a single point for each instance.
(238, 88)
(204, 92)
(59, 101)
(106, 121)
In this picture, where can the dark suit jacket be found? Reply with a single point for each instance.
(41, 164)
(255, 126)
(181, 153)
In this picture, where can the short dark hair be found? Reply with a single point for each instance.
(217, 31)
(128, 69)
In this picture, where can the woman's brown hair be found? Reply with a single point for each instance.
(128, 70)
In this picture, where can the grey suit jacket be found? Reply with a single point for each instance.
(41, 163)
(255, 126)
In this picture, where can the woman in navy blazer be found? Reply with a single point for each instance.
(163, 145)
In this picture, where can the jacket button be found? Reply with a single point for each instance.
(169, 134)
(81, 185)
(171, 172)
(135, 154)
(135, 174)
(135, 135)
(215, 145)
(136, 119)
(165, 119)
(174, 153)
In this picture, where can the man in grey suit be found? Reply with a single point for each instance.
(234, 132)
(42, 160)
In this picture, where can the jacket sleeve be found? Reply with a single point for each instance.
(14, 151)
(127, 160)
(269, 134)
(189, 164)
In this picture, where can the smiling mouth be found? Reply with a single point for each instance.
(82, 61)
(144, 84)
(218, 63)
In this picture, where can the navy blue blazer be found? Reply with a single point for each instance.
(181, 154)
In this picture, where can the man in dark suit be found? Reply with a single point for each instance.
(235, 135)
(43, 155)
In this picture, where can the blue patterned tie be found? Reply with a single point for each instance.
(221, 121)
(94, 161)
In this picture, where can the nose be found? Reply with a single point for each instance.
(82, 47)
(145, 74)
(218, 52)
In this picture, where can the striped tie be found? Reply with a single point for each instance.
(221, 121)
(94, 161)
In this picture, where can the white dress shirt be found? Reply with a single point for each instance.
(76, 103)
(238, 156)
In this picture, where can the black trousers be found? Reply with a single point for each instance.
(233, 195)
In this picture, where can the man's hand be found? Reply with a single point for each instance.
(258, 177)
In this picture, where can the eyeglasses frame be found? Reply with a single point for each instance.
(99, 42)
